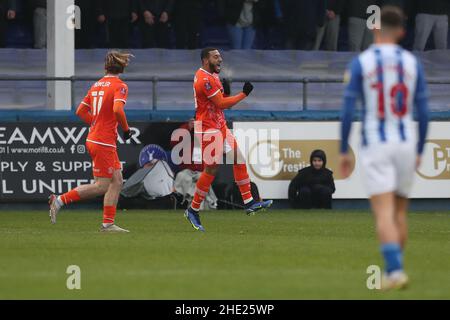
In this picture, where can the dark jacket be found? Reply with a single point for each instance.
(408, 6)
(156, 7)
(116, 9)
(309, 176)
(230, 10)
(188, 5)
(30, 6)
(88, 9)
(437, 7)
(33, 4)
(8, 5)
(358, 8)
(399, 3)
(336, 5)
(303, 16)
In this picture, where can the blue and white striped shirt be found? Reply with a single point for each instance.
(390, 81)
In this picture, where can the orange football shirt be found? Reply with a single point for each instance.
(100, 99)
(206, 86)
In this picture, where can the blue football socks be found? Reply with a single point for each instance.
(393, 257)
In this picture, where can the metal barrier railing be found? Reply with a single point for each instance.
(305, 81)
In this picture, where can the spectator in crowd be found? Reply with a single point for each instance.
(329, 32)
(432, 17)
(38, 9)
(118, 16)
(187, 16)
(314, 185)
(359, 36)
(402, 4)
(242, 17)
(88, 14)
(155, 22)
(7, 12)
(271, 28)
(302, 18)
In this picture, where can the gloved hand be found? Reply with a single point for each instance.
(127, 135)
(248, 88)
(226, 87)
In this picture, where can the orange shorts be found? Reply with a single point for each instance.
(215, 143)
(104, 160)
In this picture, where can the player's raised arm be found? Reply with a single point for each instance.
(227, 102)
(84, 110)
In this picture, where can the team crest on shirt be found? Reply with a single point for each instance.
(123, 90)
(347, 77)
(208, 86)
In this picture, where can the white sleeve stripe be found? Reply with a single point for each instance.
(86, 104)
(124, 101)
(209, 97)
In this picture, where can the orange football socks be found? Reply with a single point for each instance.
(109, 213)
(203, 185)
(243, 182)
(70, 197)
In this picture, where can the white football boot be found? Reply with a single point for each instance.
(54, 207)
(395, 280)
(112, 228)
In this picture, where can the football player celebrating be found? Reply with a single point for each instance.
(216, 139)
(391, 82)
(102, 109)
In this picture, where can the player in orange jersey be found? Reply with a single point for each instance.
(216, 139)
(103, 110)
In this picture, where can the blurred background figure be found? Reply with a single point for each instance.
(83, 36)
(155, 16)
(7, 12)
(117, 16)
(38, 10)
(187, 16)
(432, 18)
(329, 32)
(302, 18)
(314, 185)
(359, 36)
(242, 17)
(270, 33)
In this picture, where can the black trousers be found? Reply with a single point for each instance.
(317, 196)
(119, 33)
(299, 43)
(187, 29)
(83, 35)
(155, 36)
(3, 24)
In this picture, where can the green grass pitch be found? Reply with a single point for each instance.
(278, 254)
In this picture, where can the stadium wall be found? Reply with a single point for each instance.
(9, 116)
(158, 121)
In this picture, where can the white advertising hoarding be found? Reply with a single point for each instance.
(275, 151)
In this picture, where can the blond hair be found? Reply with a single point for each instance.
(116, 61)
